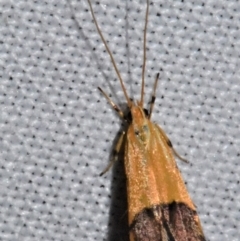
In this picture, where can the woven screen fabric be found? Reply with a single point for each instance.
(57, 130)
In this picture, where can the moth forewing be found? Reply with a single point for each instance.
(159, 205)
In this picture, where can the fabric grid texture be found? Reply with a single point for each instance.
(57, 131)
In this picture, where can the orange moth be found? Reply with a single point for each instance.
(159, 206)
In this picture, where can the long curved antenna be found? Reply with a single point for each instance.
(153, 96)
(144, 54)
(129, 102)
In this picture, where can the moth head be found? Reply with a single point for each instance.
(140, 123)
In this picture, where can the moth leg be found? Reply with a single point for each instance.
(153, 96)
(115, 153)
(114, 106)
(175, 152)
(170, 145)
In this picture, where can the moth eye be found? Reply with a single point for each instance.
(129, 116)
(145, 112)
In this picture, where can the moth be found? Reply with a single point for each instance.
(159, 206)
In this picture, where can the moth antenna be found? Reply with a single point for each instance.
(153, 96)
(129, 102)
(144, 54)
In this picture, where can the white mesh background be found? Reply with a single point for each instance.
(57, 130)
